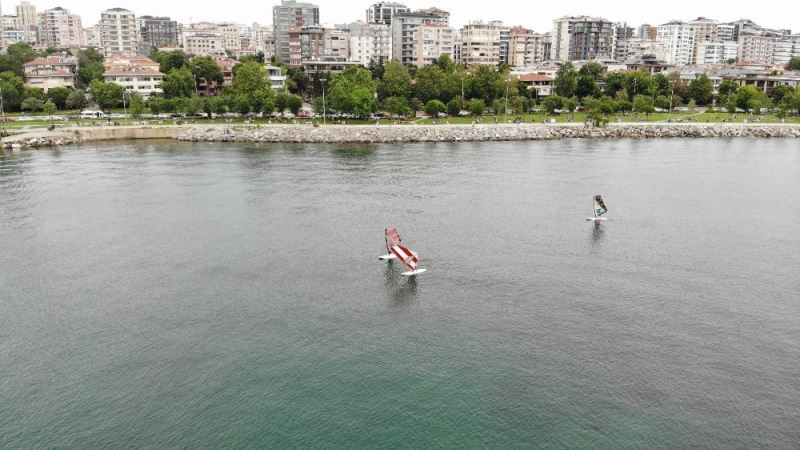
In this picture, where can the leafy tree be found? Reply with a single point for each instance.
(59, 96)
(552, 103)
(13, 88)
(281, 101)
(434, 107)
(178, 83)
(430, 83)
(692, 106)
(353, 92)
(486, 84)
(571, 104)
(499, 106)
(268, 107)
(660, 85)
(701, 90)
(453, 108)
(136, 104)
(92, 71)
(49, 108)
(780, 92)
(726, 89)
(194, 105)
(637, 82)
(35, 92)
(156, 105)
(169, 61)
(566, 81)
(644, 104)
(242, 105)
(89, 55)
(302, 83)
(218, 106)
(794, 63)
(32, 104)
(77, 100)
(586, 86)
(593, 69)
(445, 63)
(518, 104)
(398, 106)
(249, 79)
(205, 68)
(294, 103)
(396, 81)
(22, 52)
(597, 118)
(476, 107)
(106, 95)
(615, 82)
(376, 69)
(750, 98)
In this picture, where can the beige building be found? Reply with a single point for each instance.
(480, 43)
(231, 35)
(29, 22)
(678, 37)
(119, 31)
(204, 44)
(51, 72)
(637, 47)
(433, 41)
(336, 42)
(405, 32)
(755, 48)
(58, 28)
(527, 48)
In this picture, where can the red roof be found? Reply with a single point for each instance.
(532, 77)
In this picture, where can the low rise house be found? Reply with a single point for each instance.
(134, 73)
(540, 83)
(51, 71)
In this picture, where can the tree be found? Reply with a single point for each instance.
(566, 80)
(13, 88)
(77, 100)
(242, 105)
(518, 104)
(398, 106)
(281, 101)
(593, 69)
(49, 108)
(486, 84)
(692, 106)
(701, 90)
(250, 79)
(615, 82)
(205, 68)
(169, 61)
(552, 103)
(453, 108)
(136, 104)
(476, 107)
(218, 106)
(571, 104)
(353, 92)
(178, 83)
(726, 89)
(660, 85)
(396, 81)
(499, 106)
(59, 96)
(644, 104)
(780, 92)
(294, 103)
(586, 86)
(32, 104)
(750, 98)
(434, 107)
(194, 105)
(794, 63)
(106, 95)
(429, 83)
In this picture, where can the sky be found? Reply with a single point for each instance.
(537, 15)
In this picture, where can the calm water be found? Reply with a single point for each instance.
(203, 296)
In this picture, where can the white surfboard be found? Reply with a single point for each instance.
(599, 208)
(413, 272)
(387, 257)
(597, 219)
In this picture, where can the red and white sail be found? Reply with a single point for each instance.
(406, 256)
(392, 238)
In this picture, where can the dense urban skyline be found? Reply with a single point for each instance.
(537, 16)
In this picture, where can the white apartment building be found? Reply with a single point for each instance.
(755, 48)
(726, 32)
(29, 21)
(638, 47)
(785, 49)
(231, 35)
(481, 43)
(382, 13)
(92, 37)
(119, 31)
(370, 42)
(679, 40)
(145, 81)
(716, 53)
(433, 41)
(405, 30)
(204, 44)
(582, 38)
(58, 28)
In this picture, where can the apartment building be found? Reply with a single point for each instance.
(370, 42)
(290, 15)
(582, 38)
(678, 37)
(382, 13)
(527, 48)
(480, 43)
(51, 72)
(434, 41)
(156, 32)
(60, 29)
(119, 31)
(405, 33)
(716, 53)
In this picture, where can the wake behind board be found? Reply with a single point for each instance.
(413, 272)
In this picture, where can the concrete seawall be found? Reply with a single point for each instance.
(398, 133)
(90, 134)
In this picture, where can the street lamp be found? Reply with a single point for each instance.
(508, 81)
(124, 108)
(323, 80)
(671, 97)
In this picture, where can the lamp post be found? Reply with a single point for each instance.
(124, 108)
(323, 80)
(508, 81)
(671, 98)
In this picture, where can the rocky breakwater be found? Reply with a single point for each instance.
(43, 139)
(478, 133)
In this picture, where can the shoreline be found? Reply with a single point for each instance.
(379, 134)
